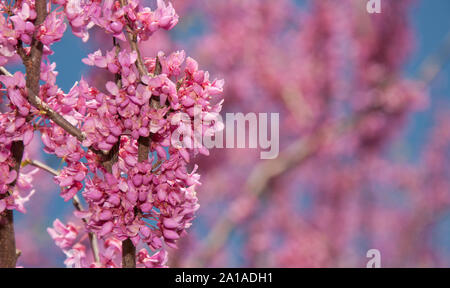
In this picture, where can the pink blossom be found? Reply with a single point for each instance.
(150, 201)
(76, 257)
(166, 15)
(52, 29)
(157, 260)
(63, 235)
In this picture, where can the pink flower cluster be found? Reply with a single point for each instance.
(151, 201)
(113, 18)
(70, 238)
(15, 200)
(14, 128)
(18, 27)
(155, 199)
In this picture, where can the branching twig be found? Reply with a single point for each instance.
(132, 39)
(75, 201)
(45, 109)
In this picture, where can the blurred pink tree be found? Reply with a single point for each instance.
(334, 73)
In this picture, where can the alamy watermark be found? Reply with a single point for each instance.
(373, 6)
(208, 130)
(375, 258)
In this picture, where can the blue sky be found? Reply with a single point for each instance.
(431, 22)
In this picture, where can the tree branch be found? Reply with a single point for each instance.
(5, 72)
(8, 252)
(128, 249)
(45, 109)
(132, 40)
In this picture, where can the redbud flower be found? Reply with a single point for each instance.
(52, 29)
(63, 235)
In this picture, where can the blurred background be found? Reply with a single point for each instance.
(364, 135)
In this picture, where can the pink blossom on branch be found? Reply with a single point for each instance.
(150, 200)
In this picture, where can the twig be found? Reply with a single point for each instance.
(58, 119)
(3, 71)
(45, 109)
(75, 201)
(41, 166)
(92, 237)
(132, 39)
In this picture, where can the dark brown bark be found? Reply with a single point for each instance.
(128, 249)
(143, 148)
(8, 254)
(128, 254)
(7, 240)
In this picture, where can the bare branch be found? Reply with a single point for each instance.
(3, 71)
(40, 165)
(92, 237)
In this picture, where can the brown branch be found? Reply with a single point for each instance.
(128, 249)
(45, 109)
(7, 240)
(33, 63)
(41, 166)
(8, 252)
(56, 117)
(132, 40)
(128, 254)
